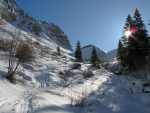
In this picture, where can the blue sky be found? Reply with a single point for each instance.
(97, 22)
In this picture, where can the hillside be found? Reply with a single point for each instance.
(11, 12)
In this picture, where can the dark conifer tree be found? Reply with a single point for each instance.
(135, 46)
(128, 23)
(78, 52)
(141, 36)
(125, 42)
(94, 57)
(58, 50)
(119, 50)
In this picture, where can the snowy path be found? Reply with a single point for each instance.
(114, 96)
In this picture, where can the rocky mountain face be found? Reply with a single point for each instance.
(11, 12)
(104, 56)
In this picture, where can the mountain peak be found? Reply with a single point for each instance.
(88, 46)
(104, 56)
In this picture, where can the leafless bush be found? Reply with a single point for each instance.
(8, 15)
(37, 44)
(20, 49)
(13, 62)
(76, 66)
(63, 79)
(87, 74)
(24, 52)
(5, 45)
(66, 78)
(1, 20)
(79, 100)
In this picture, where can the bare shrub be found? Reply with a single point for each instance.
(66, 77)
(5, 45)
(2, 22)
(79, 100)
(8, 15)
(20, 49)
(76, 66)
(58, 51)
(36, 43)
(24, 53)
(13, 62)
(63, 79)
(87, 74)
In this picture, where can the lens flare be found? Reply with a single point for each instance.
(128, 33)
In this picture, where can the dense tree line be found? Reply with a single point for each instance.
(133, 47)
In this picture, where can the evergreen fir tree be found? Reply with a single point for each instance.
(129, 23)
(94, 57)
(139, 22)
(78, 52)
(58, 50)
(125, 42)
(119, 50)
(134, 47)
(141, 35)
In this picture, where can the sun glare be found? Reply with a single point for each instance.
(128, 33)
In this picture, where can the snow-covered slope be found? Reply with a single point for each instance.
(11, 12)
(39, 87)
(104, 56)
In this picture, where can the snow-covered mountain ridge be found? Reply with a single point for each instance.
(104, 56)
(18, 18)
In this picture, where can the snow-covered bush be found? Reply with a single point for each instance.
(79, 100)
(76, 66)
(115, 67)
(63, 79)
(87, 74)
